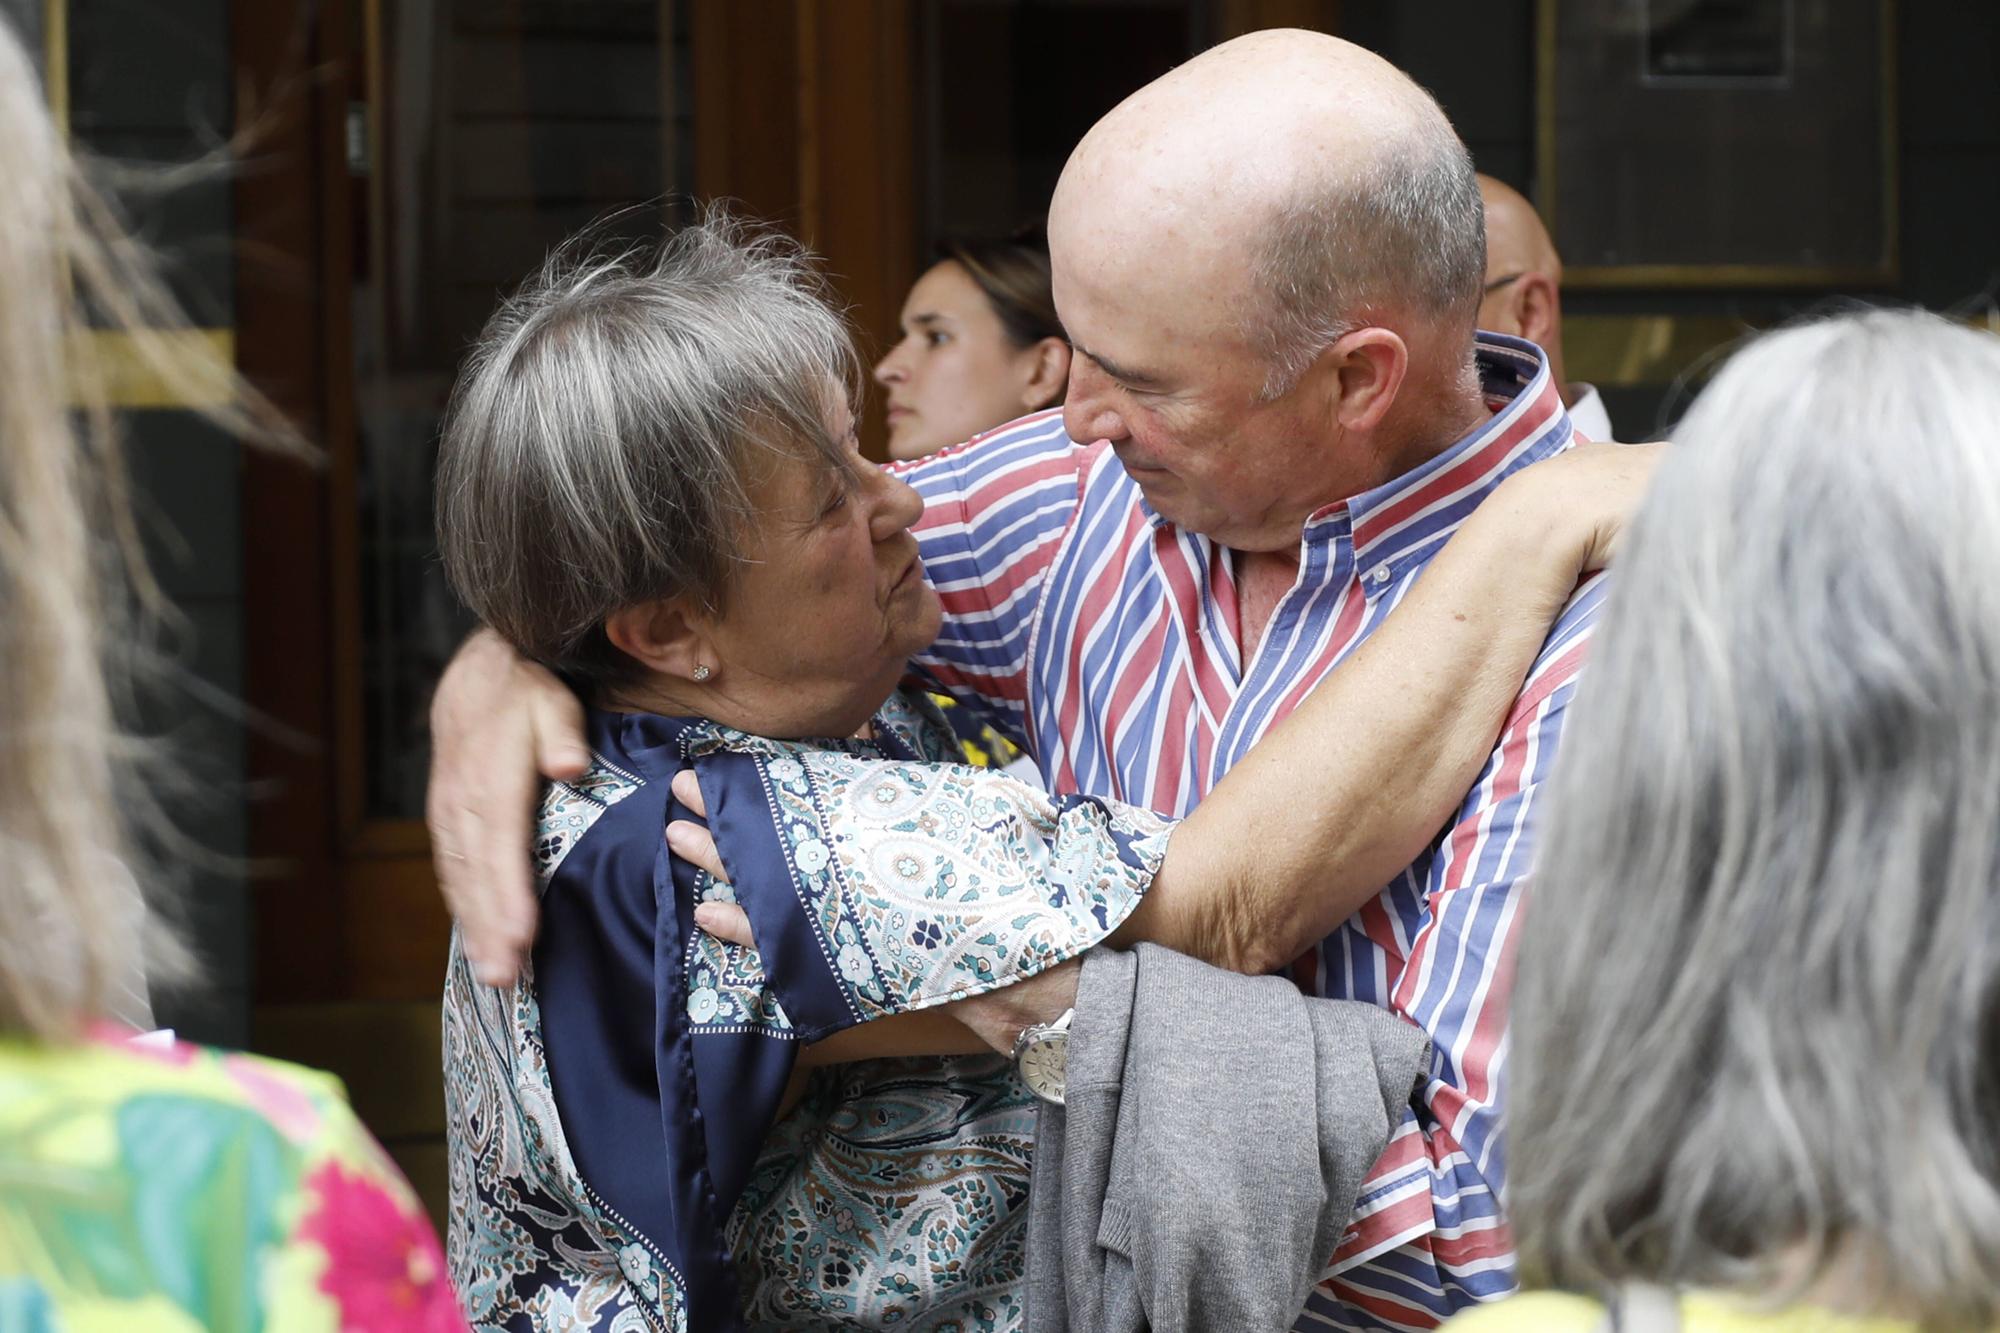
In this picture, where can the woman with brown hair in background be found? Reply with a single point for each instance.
(981, 345)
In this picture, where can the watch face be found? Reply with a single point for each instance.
(1042, 1065)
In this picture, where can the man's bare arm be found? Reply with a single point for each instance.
(1338, 798)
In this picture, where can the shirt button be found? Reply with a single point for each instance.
(1379, 576)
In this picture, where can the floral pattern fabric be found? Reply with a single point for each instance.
(161, 1190)
(617, 1161)
(892, 1197)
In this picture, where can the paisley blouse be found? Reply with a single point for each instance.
(617, 1160)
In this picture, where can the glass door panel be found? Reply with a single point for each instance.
(479, 135)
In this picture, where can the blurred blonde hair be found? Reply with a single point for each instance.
(77, 942)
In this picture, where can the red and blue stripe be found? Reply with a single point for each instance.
(1104, 640)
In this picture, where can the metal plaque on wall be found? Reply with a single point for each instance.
(1725, 143)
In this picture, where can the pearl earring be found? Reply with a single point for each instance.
(701, 672)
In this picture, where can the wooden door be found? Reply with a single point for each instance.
(412, 160)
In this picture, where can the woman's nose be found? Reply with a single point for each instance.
(897, 507)
(889, 370)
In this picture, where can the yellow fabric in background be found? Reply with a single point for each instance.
(985, 748)
(1559, 1312)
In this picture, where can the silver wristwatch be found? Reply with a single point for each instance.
(1041, 1055)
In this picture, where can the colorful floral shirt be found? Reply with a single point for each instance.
(180, 1189)
(616, 1156)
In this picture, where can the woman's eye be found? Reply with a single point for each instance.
(936, 338)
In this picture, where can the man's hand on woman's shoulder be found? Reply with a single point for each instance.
(499, 726)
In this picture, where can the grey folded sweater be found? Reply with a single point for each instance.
(1216, 1131)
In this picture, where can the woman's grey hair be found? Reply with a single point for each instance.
(1756, 1022)
(1406, 228)
(598, 452)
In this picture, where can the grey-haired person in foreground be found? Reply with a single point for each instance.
(1756, 1043)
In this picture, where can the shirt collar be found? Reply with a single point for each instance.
(1588, 414)
(1404, 521)
(652, 747)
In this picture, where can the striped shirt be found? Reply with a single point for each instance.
(1106, 640)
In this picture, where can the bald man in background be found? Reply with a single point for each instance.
(1524, 295)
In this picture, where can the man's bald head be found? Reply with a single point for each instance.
(1516, 240)
(1294, 180)
(1268, 262)
(1523, 274)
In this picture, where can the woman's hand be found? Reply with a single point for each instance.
(693, 843)
(499, 725)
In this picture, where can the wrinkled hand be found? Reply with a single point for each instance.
(693, 843)
(499, 725)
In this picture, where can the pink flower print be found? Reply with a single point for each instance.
(384, 1268)
(278, 1100)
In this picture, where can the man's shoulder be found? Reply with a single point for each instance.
(1552, 679)
(1035, 447)
(1043, 429)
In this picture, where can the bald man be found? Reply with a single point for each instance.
(1270, 262)
(1524, 295)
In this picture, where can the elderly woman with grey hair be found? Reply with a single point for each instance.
(650, 483)
(1755, 1069)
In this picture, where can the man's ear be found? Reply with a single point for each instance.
(1537, 307)
(1365, 370)
(1050, 377)
(664, 638)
